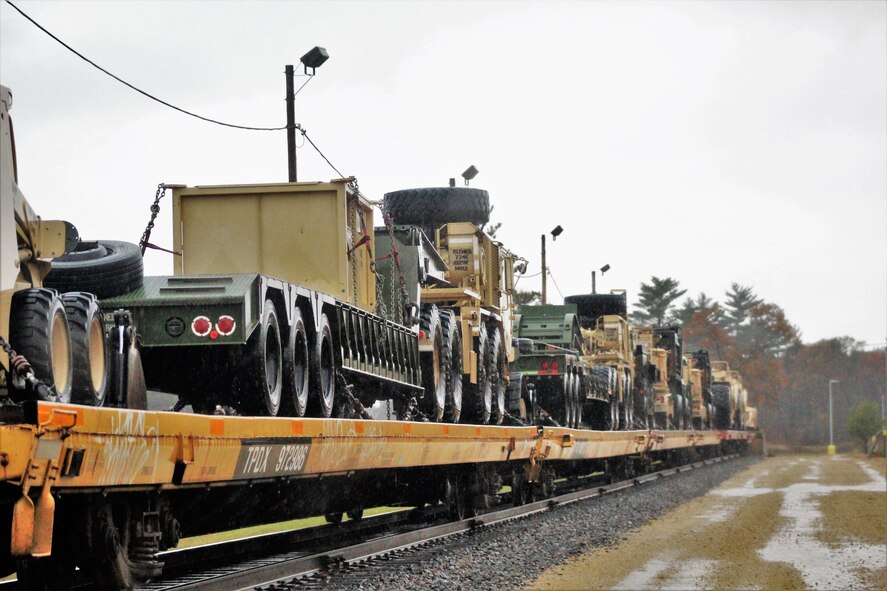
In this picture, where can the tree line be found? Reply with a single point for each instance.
(786, 378)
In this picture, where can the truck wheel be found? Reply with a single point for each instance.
(295, 368)
(434, 368)
(322, 371)
(498, 374)
(38, 329)
(265, 375)
(89, 352)
(453, 353)
(577, 401)
(479, 403)
(438, 205)
(721, 400)
(106, 268)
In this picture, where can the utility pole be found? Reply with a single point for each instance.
(593, 286)
(544, 274)
(291, 125)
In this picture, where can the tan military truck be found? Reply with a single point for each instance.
(697, 366)
(463, 286)
(55, 329)
(729, 396)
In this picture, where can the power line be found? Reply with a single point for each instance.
(555, 284)
(313, 145)
(139, 90)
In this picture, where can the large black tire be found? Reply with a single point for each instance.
(89, 351)
(438, 205)
(295, 368)
(264, 375)
(497, 370)
(434, 368)
(322, 371)
(453, 355)
(106, 268)
(478, 399)
(591, 306)
(721, 399)
(38, 330)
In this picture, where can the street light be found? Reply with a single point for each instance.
(558, 230)
(831, 433)
(311, 61)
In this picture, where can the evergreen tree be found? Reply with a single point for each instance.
(656, 299)
(739, 303)
(684, 314)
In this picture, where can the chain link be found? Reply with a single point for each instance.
(155, 209)
(23, 371)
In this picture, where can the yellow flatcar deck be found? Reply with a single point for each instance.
(114, 448)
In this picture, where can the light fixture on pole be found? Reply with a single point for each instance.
(831, 433)
(469, 174)
(558, 230)
(604, 269)
(311, 61)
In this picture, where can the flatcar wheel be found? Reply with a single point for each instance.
(454, 499)
(334, 518)
(120, 559)
(295, 368)
(322, 374)
(453, 355)
(518, 487)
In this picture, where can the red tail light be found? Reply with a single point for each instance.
(225, 326)
(422, 334)
(544, 365)
(554, 365)
(201, 326)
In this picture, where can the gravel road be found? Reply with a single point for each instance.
(512, 555)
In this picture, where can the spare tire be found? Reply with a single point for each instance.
(592, 306)
(438, 205)
(106, 268)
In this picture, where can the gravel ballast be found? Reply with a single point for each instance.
(513, 554)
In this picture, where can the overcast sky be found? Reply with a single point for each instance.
(709, 142)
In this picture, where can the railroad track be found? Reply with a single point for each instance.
(314, 554)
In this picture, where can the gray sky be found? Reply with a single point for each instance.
(709, 142)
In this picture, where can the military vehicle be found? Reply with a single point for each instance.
(53, 336)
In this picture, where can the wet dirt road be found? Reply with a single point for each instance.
(788, 522)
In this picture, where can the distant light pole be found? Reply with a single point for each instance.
(311, 60)
(831, 432)
(554, 234)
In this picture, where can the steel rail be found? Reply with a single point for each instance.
(286, 566)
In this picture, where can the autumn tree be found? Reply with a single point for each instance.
(655, 300)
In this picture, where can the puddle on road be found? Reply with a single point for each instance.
(821, 565)
(788, 526)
